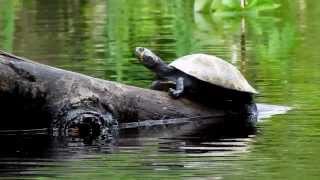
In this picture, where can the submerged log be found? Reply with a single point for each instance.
(35, 95)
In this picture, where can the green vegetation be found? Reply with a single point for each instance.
(234, 6)
(7, 23)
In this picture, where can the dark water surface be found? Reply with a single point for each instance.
(278, 52)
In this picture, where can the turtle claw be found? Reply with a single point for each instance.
(174, 93)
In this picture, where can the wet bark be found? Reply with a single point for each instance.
(37, 95)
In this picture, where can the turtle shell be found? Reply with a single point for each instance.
(213, 70)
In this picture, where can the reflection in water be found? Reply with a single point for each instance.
(276, 52)
(57, 157)
(34, 153)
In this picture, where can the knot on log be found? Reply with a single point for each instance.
(87, 117)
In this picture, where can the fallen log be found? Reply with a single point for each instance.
(34, 95)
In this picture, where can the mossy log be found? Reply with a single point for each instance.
(34, 95)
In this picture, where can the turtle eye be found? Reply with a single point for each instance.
(140, 49)
(139, 52)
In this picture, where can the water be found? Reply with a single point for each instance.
(277, 51)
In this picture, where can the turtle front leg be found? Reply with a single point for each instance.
(178, 91)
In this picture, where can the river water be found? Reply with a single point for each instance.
(276, 50)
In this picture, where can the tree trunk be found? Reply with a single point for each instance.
(34, 95)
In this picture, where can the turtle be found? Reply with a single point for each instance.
(198, 76)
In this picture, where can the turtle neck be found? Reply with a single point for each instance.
(162, 69)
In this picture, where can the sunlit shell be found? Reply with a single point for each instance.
(213, 70)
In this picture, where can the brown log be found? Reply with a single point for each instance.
(37, 95)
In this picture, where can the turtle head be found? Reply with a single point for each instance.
(147, 57)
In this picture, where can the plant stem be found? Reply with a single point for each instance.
(243, 3)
